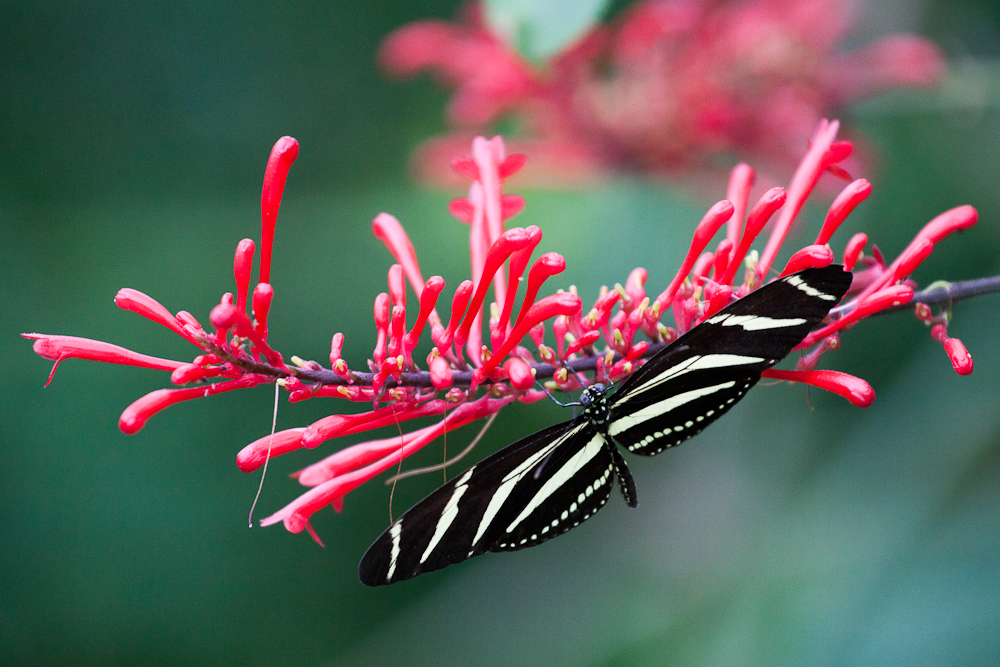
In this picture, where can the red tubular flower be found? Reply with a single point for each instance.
(225, 316)
(451, 385)
(509, 242)
(252, 456)
(723, 256)
(960, 358)
(810, 257)
(428, 299)
(545, 309)
(145, 305)
(397, 327)
(854, 249)
(441, 375)
(810, 169)
(136, 415)
(770, 201)
(387, 229)
(717, 216)
(583, 341)
(296, 515)
(354, 457)
(854, 389)
(242, 267)
(519, 372)
(865, 306)
(546, 266)
(459, 302)
(283, 154)
(397, 288)
(718, 300)
(518, 262)
(598, 317)
(194, 373)
(382, 327)
(262, 296)
(842, 206)
(956, 219)
(560, 327)
(57, 348)
(741, 179)
(336, 426)
(336, 346)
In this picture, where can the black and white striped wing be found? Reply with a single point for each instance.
(695, 380)
(528, 492)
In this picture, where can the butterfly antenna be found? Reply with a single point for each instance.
(554, 399)
(579, 378)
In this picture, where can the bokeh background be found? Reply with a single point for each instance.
(134, 138)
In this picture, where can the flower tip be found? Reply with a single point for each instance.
(961, 360)
(132, 420)
(287, 148)
(860, 393)
(519, 372)
(441, 375)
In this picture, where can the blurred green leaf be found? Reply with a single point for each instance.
(539, 30)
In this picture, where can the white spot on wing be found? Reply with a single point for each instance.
(759, 323)
(795, 281)
(623, 424)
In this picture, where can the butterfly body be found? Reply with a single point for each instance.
(552, 480)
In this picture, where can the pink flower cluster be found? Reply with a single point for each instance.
(467, 377)
(669, 84)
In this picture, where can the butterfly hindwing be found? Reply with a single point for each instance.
(506, 502)
(702, 374)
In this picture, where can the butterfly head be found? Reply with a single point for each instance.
(595, 403)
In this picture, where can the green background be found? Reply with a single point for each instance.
(134, 137)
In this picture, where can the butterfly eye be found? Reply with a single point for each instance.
(585, 398)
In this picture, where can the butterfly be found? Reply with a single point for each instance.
(551, 481)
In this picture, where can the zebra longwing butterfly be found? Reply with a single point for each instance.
(549, 482)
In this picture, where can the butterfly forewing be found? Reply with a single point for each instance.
(705, 372)
(543, 485)
(507, 501)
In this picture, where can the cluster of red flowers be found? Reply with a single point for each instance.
(667, 85)
(468, 378)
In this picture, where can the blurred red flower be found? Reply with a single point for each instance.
(670, 85)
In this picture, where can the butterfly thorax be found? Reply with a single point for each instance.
(595, 405)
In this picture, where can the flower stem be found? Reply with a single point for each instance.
(950, 293)
(937, 295)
